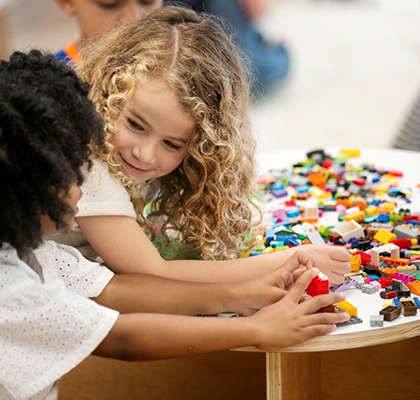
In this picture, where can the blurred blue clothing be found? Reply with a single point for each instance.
(269, 64)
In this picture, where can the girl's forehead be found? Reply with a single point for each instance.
(157, 104)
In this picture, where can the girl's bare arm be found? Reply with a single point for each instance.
(133, 293)
(123, 245)
(282, 324)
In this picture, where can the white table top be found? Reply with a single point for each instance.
(361, 334)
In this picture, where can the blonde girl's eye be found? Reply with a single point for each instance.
(172, 145)
(108, 5)
(148, 3)
(134, 125)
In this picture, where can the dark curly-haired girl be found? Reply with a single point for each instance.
(46, 125)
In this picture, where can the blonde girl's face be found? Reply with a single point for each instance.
(153, 131)
(95, 16)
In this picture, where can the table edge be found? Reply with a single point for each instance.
(350, 341)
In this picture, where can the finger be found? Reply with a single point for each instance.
(326, 318)
(335, 277)
(305, 297)
(298, 273)
(339, 254)
(341, 268)
(316, 303)
(312, 331)
(298, 288)
(297, 260)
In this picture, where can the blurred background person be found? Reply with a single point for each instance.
(269, 62)
(94, 17)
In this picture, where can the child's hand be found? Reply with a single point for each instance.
(290, 321)
(332, 261)
(258, 293)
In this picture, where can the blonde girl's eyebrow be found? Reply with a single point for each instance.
(137, 116)
(143, 121)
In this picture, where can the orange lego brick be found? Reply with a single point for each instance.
(355, 262)
(345, 202)
(395, 262)
(388, 271)
(361, 204)
(414, 287)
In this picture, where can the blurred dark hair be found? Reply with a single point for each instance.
(46, 126)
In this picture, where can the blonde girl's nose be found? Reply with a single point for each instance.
(144, 153)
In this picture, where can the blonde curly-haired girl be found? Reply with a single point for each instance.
(174, 99)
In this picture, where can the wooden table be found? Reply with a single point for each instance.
(356, 361)
(380, 364)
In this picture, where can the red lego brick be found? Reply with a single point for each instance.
(319, 285)
(363, 256)
(391, 295)
(385, 282)
(403, 243)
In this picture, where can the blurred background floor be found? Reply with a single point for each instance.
(355, 67)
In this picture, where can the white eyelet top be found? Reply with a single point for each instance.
(48, 324)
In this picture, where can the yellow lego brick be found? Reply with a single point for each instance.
(350, 152)
(325, 196)
(389, 207)
(387, 303)
(356, 216)
(384, 236)
(269, 250)
(372, 210)
(316, 191)
(348, 308)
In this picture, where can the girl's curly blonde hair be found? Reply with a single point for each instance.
(207, 199)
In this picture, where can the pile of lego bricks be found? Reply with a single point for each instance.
(327, 200)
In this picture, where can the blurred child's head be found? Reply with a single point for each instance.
(46, 126)
(96, 16)
(177, 57)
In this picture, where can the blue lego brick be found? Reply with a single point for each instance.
(383, 218)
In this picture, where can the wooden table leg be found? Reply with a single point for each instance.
(294, 376)
(273, 373)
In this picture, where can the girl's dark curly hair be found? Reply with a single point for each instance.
(46, 126)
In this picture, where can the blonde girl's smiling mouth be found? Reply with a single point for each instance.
(131, 169)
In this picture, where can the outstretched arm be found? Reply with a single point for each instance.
(284, 323)
(130, 293)
(123, 245)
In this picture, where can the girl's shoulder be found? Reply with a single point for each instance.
(98, 179)
(103, 194)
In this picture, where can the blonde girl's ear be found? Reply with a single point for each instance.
(68, 6)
